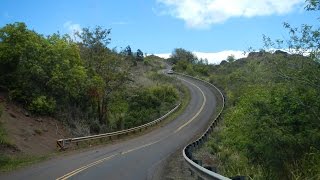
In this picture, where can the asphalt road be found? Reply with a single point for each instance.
(135, 159)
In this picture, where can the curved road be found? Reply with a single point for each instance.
(138, 158)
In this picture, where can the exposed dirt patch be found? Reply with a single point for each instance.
(176, 168)
(27, 134)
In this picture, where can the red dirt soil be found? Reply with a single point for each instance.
(30, 135)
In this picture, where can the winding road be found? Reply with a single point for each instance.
(135, 159)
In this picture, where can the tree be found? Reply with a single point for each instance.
(139, 55)
(109, 71)
(180, 54)
(302, 40)
(127, 52)
(231, 58)
(13, 42)
(40, 72)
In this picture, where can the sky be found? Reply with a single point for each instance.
(212, 29)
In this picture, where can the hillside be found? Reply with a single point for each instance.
(271, 121)
(27, 134)
(54, 87)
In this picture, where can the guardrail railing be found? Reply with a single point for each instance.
(63, 143)
(196, 165)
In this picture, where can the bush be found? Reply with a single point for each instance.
(165, 93)
(42, 105)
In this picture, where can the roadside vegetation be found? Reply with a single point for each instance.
(271, 122)
(81, 82)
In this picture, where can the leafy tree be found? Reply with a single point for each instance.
(302, 40)
(127, 51)
(13, 42)
(180, 54)
(40, 69)
(129, 56)
(109, 72)
(231, 58)
(139, 55)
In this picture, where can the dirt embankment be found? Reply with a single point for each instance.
(28, 134)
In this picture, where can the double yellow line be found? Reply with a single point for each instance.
(201, 108)
(77, 171)
(72, 173)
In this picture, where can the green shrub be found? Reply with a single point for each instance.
(42, 105)
(165, 93)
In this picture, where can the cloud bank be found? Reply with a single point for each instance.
(203, 13)
(213, 58)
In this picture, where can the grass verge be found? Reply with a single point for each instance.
(8, 163)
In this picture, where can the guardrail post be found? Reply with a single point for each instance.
(60, 144)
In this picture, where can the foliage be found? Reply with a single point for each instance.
(42, 66)
(302, 40)
(180, 54)
(273, 115)
(272, 119)
(83, 83)
(42, 105)
(139, 55)
(142, 105)
(266, 119)
(230, 58)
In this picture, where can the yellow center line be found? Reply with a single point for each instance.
(197, 114)
(72, 173)
(77, 171)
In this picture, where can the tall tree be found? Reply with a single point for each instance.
(180, 54)
(109, 71)
(139, 55)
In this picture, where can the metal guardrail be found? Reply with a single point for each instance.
(62, 143)
(195, 165)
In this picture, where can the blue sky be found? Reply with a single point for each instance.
(159, 26)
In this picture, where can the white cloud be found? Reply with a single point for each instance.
(163, 55)
(72, 28)
(214, 57)
(203, 13)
